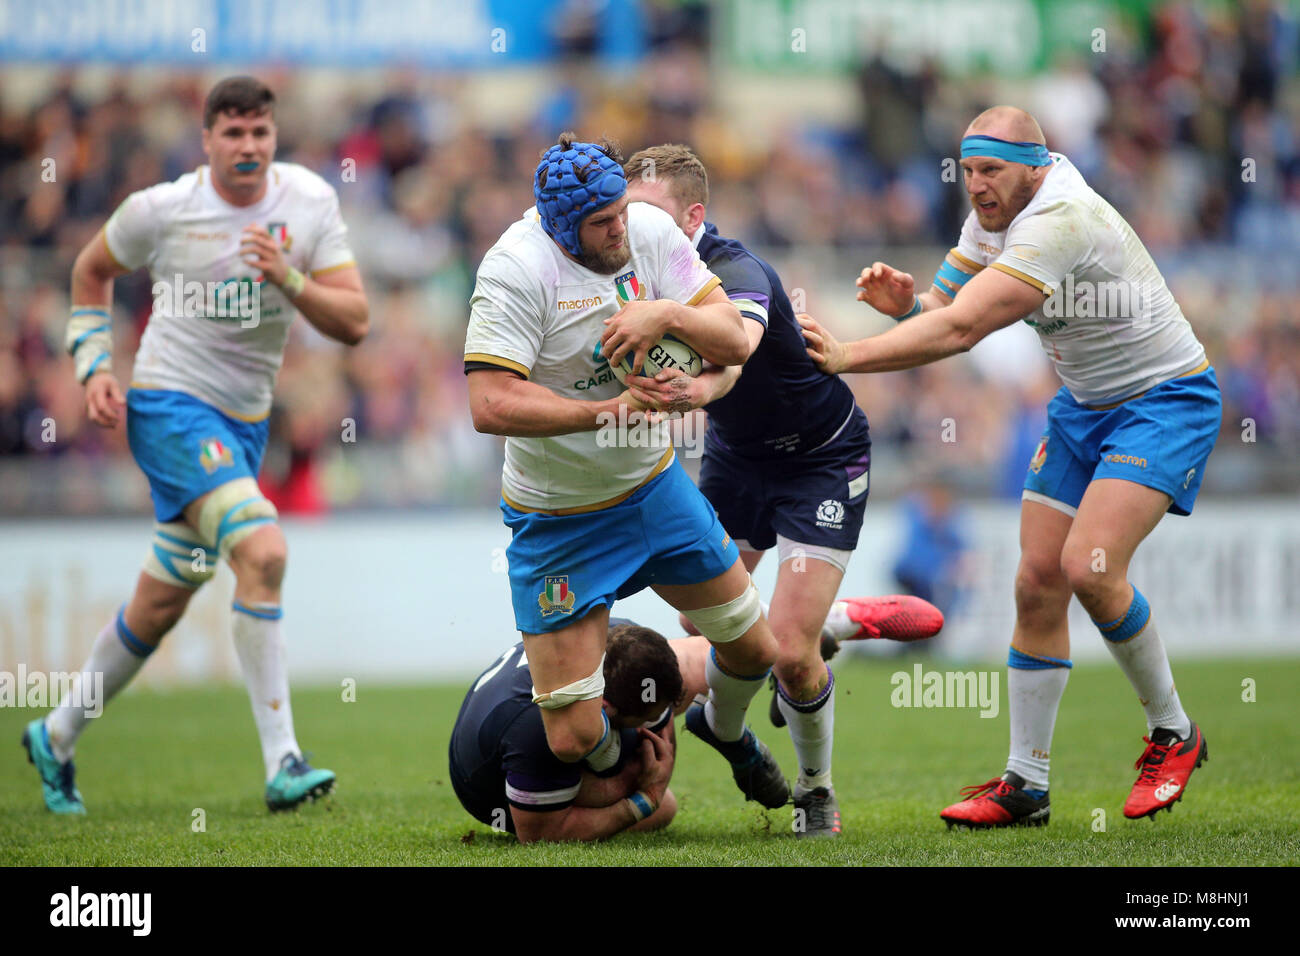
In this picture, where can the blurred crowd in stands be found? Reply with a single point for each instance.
(1191, 129)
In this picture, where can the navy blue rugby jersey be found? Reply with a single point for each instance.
(782, 405)
(499, 748)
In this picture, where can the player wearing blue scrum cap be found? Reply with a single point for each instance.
(581, 280)
(1128, 436)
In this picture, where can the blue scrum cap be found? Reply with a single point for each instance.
(579, 180)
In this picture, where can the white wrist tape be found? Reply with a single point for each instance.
(90, 340)
(294, 282)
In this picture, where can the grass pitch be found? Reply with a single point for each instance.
(156, 759)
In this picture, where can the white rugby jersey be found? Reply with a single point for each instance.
(541, 314)
(204, 337)
(1109, 323)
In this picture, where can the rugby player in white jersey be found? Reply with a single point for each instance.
(1128, 436)
(583, 279)
(236, 249)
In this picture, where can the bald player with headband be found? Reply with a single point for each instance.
(1127, 440)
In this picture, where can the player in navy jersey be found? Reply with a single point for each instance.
(505, 775)
(786, 463)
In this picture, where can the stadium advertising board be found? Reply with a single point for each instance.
(359, 33)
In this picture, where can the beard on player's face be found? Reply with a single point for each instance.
(1011, 197)
(598, 258)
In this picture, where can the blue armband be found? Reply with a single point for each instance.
(950, 279)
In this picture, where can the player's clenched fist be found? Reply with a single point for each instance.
(886, 289)
(104, 400)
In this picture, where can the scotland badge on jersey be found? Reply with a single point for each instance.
(627, 288)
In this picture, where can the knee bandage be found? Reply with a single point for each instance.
(179, 556)
(788, 550)
(726, 622)
(233, 512)
(589, 688)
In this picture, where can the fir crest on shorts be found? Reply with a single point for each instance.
(213, 455)
(556, 596)
(1040, 456)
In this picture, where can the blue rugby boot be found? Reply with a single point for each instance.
(297, 781)
(57, 779)
(755, 770)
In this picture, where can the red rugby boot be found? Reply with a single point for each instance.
(894, 617)
(1002, 802)
(1164, 768)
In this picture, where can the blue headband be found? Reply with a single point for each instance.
(1030, 154)
(579, 180)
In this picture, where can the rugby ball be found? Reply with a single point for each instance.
(667, 353)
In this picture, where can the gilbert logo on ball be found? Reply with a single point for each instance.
(667, 353)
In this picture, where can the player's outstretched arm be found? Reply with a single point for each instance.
(501, 402)
(990, 301)
(90, 336)
(334, 302)
(651, 805)
(713, 327)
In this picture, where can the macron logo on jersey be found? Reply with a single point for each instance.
(568, 305)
